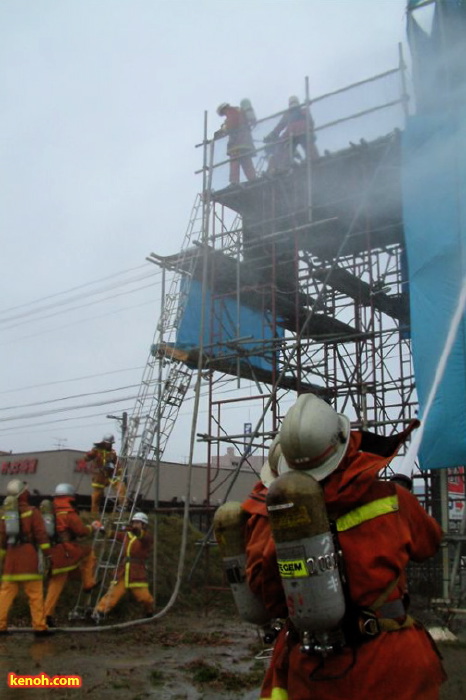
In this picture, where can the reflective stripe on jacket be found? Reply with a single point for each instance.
(21, 560)
(67, 553)
(136, 550)
(381, 527)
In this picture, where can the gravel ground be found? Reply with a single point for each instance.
(174, 658)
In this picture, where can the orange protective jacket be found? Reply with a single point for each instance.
(99, 456)
(67, 553)
(136, 550)
(377, 542)
(21, 560)
(240, 142)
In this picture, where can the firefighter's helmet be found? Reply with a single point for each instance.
(108, 438)
(221, 108)
(269, 469)
(314, 437)
(140, 517)
(64, 490)
(16, 487)
(293, 101)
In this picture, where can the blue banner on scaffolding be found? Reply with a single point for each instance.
(434, 212)
(231, 331)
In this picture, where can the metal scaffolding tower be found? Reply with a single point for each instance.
(316, 250)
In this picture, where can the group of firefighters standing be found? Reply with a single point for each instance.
(40, 548)
(290, 141)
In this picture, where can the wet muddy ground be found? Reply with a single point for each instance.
(174, 658)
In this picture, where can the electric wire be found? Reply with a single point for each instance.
(73, 379)
(79, 322)
(72, 289)
(81, 306)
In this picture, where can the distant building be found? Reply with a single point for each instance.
(232, 458)
(44, 470)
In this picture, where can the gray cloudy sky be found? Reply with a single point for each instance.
(101, 105)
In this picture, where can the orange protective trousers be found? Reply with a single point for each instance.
(117, 591)
(57, 582)
(118, 488)
(35, 593)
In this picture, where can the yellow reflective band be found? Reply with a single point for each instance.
(44, 546)
(132, 539)
(292, 569)
(26, 514)
(137, 585)
(22, 577)
(65, 569)
(98, 486)
(369, 511)
(277, 694)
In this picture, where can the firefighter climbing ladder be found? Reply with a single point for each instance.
(164, 385)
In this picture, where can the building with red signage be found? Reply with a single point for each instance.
(44, 470)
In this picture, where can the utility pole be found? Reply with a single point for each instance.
(123, 421)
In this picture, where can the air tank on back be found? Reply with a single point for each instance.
(307, 559)
(229, 529)
(48, 516)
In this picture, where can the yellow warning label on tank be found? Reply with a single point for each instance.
(292, 568)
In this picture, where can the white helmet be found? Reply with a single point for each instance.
(141, 517)
(313, 437)
(64, 490)
(293, 101)
(221, 108)
(16, 487)
(269, 470)
(108, 438)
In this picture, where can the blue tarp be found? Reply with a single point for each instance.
(434, 212)
(220, 326)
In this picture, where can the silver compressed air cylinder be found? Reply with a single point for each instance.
(229, 530)
(306, 556)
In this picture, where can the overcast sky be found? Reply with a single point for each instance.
(101, 105)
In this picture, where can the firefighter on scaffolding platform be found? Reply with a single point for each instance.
(291, 139)
(240, 146)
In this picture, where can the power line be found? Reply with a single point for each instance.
(40, 414)
(72, 289)
(76, 323)
(68, 398)
(90, 405)
(81, 306)
(73, 379)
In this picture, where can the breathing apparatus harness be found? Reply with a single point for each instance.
(12, 518)
(311, 565)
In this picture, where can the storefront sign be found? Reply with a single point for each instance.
(24, 466)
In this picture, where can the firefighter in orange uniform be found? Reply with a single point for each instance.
(240, 146)
(131, 574)
(24, 556)
(66, 554)
(380, 527)
(294, 129)
(105, 472)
